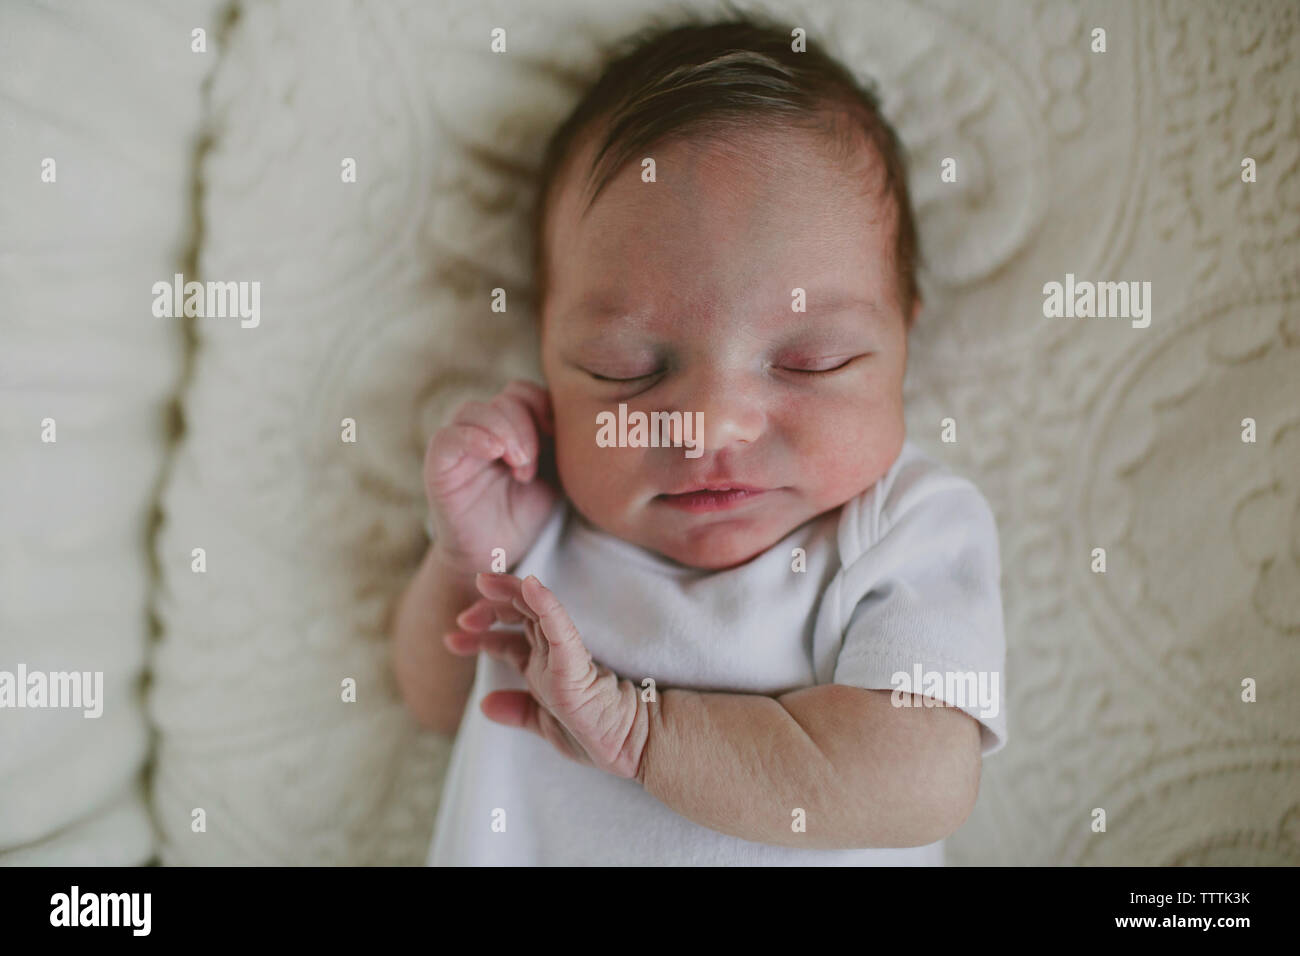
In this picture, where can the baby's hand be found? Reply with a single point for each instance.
(581, 707)
(477, 503)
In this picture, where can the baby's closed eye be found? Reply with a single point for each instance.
(807, 366)
(819, 366)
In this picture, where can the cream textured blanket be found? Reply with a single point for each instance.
(100, 109)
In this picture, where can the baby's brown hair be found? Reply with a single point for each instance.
(668, 81)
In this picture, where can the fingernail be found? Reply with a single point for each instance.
(517, 453)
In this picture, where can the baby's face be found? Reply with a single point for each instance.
(684, 287)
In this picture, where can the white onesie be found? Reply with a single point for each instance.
(902, 579)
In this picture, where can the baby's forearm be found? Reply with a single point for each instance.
(434, 682)
(738, 764)
(742, 764)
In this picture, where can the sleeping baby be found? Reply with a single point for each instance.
(708, 658)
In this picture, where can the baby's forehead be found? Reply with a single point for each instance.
(829, 154)
(781, 192)
(744, 217)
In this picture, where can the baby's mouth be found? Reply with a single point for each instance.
(711, 499)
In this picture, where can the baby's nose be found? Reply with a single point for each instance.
(733, 412)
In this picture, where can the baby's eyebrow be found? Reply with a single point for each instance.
(599, 310)
(837, 304)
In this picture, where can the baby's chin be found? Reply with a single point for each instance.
(712, 560)
(708, 557)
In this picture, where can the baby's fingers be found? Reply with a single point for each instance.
(517, 409)
(480, 615)
(514, 708)
(517, 708)
(538, 401)
(568, 657)
(502, 645)
(452, 445)
(508, 425)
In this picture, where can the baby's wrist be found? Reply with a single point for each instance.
(451, 568)
(653, 728)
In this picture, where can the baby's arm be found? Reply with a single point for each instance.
(482, 479)
(434, 682)
(866, 773)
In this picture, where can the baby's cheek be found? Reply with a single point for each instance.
(843, 474)
(850, 446)
(595, 479)
(575, 455)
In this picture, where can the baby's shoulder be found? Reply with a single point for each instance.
(917, 482)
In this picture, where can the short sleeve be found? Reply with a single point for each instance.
(927, 606)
